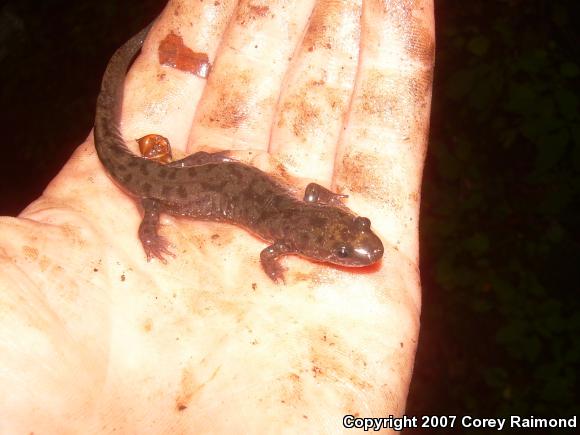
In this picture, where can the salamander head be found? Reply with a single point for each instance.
(340, 238)
(360, 246)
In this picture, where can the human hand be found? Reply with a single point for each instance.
(94, 338)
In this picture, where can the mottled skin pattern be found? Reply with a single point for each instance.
(213, 187)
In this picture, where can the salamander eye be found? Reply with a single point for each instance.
(362, 223)
(343, 252)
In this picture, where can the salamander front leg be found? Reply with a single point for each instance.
(154, 245)
(201, 158)
(315, 193)
(270, 263)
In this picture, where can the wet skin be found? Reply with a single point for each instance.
(214, 187)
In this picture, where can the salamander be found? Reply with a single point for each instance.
(214, 187)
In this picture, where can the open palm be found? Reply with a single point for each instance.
(93, 338)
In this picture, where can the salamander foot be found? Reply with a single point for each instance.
(155, 246)
(270, 264)
(317, 194)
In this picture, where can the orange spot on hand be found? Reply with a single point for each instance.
(174, 53)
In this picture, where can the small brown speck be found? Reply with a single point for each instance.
(122, 277)
(251, 13)
(254, 286)
(95, 270)
(215, 236)
(259, 10)
(181, 407)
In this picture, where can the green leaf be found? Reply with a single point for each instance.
(460, 84)
(511, 332)
(533, 61)
(496, 376)
(448, 166)
(478, 45)
(481, 305)
(508, 137)
(477, 244)
(551, 149)
(555, 233)
(520, 99)
(567, 103)
(569, 70)
(531, 348)
(576, 148)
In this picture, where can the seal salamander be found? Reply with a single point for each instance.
(213, 187)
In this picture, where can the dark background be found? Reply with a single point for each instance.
(500, 248)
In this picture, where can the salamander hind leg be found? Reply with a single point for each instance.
(154, 245)
(317, 194)
(269, 259)
(201, 158)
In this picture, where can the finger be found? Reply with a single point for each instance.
(238, 104)
(317, 90)
(162, 99)
(381, 153)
